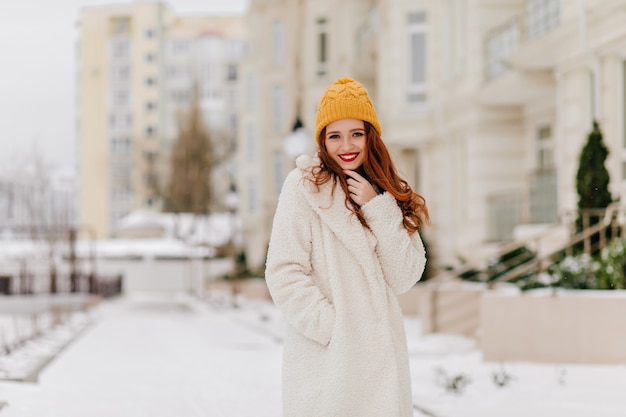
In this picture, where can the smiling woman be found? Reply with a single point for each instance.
(338, 258)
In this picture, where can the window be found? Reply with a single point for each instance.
(504, 214)
(150, 131)
(322, 46)
(119, 48)
(120, 98)
(545, 148)
(150, 81)
(232, 121)
(150, 57)
(278, 107)
(120, 122)
(251, 146)
(416, 25)
(170, 72)
(251, 93)
(231, 97)
(120, 146)
(150, 33)
(120, 170)
(150, 106)
(543, 207)
(150, 156)
(277, 42)
(234, 49)
(121, 195)
(178, 46)
(231, 72)
(120, 72)
(120, 25)
(180, 96)
(253, 194)
(541, 16)
(594, 91)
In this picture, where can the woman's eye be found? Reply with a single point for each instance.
(358, 134)
(333, 137)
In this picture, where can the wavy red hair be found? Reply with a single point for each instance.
(379, 170)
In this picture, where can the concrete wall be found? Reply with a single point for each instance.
(165, 275)
(570, 327)
(445, 307)
(585, 327)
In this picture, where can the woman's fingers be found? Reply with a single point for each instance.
(359, 188)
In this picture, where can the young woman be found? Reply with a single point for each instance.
(344, 244)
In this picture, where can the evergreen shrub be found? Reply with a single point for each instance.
(606, 271)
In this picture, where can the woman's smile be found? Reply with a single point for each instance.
(348, 157)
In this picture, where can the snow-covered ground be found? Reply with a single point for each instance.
(164, 356)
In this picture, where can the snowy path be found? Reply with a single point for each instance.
(156, 358)
(179, 357)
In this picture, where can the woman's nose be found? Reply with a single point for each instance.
(345, 143)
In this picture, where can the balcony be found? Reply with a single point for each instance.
(517, 87)
(507, 82)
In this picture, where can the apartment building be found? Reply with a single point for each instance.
(139, 66)
(484, 104)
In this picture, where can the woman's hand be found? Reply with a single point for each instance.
(360, 189)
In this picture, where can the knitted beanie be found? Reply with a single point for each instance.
(345, 99)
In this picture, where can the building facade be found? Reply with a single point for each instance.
(139, 66)
(298, 49)
(485, 105)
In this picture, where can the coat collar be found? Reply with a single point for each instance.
(332, 211)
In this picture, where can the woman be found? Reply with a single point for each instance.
(344, 244)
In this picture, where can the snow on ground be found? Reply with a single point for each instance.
(164, 356)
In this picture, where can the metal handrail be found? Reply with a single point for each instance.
(538, 264)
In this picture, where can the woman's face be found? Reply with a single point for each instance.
(345, 142)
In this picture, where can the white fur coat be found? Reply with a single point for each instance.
(337, 283)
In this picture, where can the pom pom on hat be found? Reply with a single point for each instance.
(345, 99)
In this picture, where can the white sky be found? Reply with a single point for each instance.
(37, 74)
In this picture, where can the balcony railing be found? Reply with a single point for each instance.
(540, 17)
(500, 44)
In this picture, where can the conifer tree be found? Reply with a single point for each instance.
(592, 179)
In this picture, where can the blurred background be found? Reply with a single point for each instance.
(144, 144)
(143, 147)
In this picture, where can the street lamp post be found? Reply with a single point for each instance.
(232, 203)
(298, 141)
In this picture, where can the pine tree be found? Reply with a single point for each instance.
(189, 186)
(592, 179)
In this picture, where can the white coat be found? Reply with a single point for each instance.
(336, 283)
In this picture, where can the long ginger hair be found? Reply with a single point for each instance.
(378, 168)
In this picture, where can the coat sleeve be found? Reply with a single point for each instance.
(402, 256)
(288, 267)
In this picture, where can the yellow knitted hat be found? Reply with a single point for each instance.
(345, 99)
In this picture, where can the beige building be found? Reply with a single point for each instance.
(138, 64)
(484, 104)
